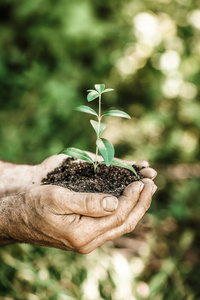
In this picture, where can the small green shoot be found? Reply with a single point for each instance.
(103, 146)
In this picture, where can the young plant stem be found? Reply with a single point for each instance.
(98, 131)
(103, 146)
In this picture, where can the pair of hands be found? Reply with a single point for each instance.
(56, 217)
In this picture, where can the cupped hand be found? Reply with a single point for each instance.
(56, 217)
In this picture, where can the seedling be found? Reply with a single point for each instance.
(103, 146)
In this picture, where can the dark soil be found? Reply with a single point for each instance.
(80, 177)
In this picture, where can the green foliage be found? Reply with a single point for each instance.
(148, 51)
(98, 129)
(106, 149)
(103, 146)
(77, 153)
(86, 109)
(116, 113)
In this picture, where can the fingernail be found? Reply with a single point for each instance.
(110, 204)
(141, 186)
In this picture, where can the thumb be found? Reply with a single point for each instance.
(64, 201)
(93, 204)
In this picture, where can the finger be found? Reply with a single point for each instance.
(65, 202)
(142, 164)
(131, 222)
(95, 227)
(93, 204)
(98, 204)
(55, 159)
(148, 173)
(50, 164)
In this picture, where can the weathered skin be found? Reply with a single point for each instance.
(56, 217)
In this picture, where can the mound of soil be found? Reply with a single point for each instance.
(80, 177)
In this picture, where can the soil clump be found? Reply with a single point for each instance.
(80, 177)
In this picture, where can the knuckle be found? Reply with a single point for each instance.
(83, 251)
(148, 181)
(120, 219)
(130, 227)
(73, 235)
(144, 163)
(76, 243)
(89, 204)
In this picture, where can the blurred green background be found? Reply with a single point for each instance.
(51, 52)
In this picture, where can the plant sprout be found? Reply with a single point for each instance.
(103, 146)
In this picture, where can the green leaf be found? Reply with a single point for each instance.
(91, 90)
(99, 87)
(116, 113)
(106, 149)
(95, 126)
(107, 90)
(86, 109)
(77, 153)
(92, 95)
(123, 164)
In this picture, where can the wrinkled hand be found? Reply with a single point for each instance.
(56, 217)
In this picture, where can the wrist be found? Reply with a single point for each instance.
(11, 212)
(6, 212)
(15, 178)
